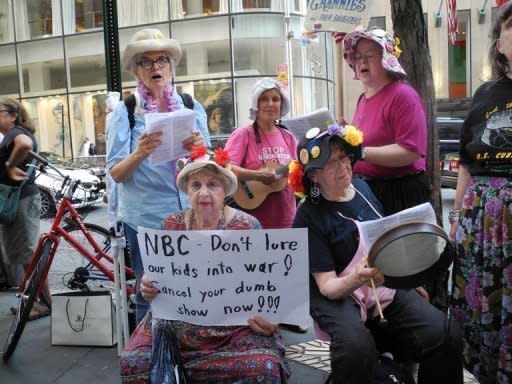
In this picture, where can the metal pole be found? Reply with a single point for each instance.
(111, 37)
(289, 55)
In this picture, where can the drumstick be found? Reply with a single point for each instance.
(379, 308)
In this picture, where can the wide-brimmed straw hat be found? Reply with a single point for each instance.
(149, 40)
(264, 85)
(200, 157)
(389, 45)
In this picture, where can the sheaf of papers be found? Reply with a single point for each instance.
(175, 126)
(371, 230)
(299, 125)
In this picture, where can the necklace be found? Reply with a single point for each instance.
(192, 221)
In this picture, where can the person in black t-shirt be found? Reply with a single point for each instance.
(481, 218)
(340, 297)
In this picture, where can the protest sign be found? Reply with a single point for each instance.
(227, 277)
(336, 16)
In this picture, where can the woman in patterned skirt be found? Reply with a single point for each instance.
(220, 354)
(481, 221)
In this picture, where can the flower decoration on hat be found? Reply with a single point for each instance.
(295, 173)
(200, 153)
(397, 51)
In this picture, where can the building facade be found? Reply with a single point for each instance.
(52, 58)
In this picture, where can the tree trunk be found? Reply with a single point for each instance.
(409, 26)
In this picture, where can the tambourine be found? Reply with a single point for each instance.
(411, 254)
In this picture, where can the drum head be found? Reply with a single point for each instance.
(410, 254)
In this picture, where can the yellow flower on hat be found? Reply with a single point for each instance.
(352, 135)
(397, 51)
(159, 35)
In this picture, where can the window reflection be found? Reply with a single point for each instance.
(6, 24)
(458, 59)
(258, 47)
(42, 63)
(8, 71)
(88, 14)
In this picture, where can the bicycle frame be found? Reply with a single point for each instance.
(57, 231)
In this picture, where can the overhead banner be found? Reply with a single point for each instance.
(226, 277)
(336, 15)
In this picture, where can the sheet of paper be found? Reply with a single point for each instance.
(226, 277)
(371, 230)
(175, 126)
(299, 125)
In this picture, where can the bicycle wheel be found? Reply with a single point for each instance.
(71, 270)
(26, 301)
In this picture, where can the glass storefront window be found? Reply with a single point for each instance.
(259, 47)
(51, 119)
(195, 8)
(42, 63)
(134, 12)
(86, 56)
(6, 22)
(88, 14)
(8, 72)
(217, 99)
(458, 59)
(310, 94)
(37, 18)
(205, 47)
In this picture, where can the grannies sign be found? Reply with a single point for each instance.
(336, 15)
(226, 277)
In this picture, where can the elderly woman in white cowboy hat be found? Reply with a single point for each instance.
(149, 192)
(215, 354)
(260, 153)
(390, 113)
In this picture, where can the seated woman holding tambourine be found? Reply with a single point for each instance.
(344, 290)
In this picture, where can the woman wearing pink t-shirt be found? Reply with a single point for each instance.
(260, 153)
(391, 115)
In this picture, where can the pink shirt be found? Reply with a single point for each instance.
(278, 209)
(395, 115)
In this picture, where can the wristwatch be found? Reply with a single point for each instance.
(363, 153)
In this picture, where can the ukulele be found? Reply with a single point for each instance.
(251, 193)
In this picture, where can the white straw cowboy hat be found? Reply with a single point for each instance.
(148, 40)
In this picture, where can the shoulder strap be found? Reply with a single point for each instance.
(129, 102)
(187, 100)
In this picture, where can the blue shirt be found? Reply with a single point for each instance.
(150, 195)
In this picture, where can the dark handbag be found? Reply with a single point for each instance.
(167, 365)
(10, 198)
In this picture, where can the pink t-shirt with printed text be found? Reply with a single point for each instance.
(395, 115)
(278, 209)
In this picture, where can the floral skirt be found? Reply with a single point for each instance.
(230, 355)
(482, 290)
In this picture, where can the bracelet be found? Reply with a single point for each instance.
(8, 164)
(453, 216)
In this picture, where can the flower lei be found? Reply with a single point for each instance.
(348, 133)
(151, 104)
(201, 153)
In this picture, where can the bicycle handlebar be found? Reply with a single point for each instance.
(41, 159)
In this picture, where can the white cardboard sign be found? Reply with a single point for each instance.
(336, 16)
(226, 277)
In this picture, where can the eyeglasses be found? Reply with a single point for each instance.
(335, 164)
(160, 62)
(368, 56)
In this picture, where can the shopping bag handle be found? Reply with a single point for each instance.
(81, 328)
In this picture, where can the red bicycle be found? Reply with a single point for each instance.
(72, 255)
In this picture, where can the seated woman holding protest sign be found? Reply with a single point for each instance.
(341, 296)
(245, 354)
